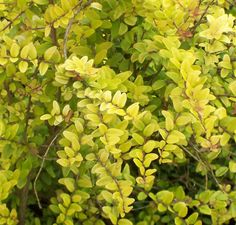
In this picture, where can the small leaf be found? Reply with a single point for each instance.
(138, 138)
(232, 166)
(23, 66)
(46, 117)
(68, 182)
(15, 49)
(181, 208)
(96, 5)
(124, 222)
(221, 171)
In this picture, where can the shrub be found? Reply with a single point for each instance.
(117, 112)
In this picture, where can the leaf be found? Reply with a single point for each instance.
(66, 5)
(100, 56)
(149, 130)
(49, 53)
(165, 196)
(21, 3)
(181, 208)
(23, 66)
(15, 50)
(2, 127)
(232, 166)
(133, 109)
(172, 139)
(141, 196)
(149, 158)
(232, 87)
(138, 138)
(183, 120)
(149, 146)
(192, 218)
(96, 5)
(130, 20)
(124, 222)
(46, 117)
(55, 108)
(221, 171)
(224, 139)
(25, 52)
(68, 182)
(204, 209)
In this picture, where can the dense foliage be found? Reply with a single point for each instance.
(117, 112)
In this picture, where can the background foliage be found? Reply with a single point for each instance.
(117, 112)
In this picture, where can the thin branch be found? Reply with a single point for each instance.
(43, 161)
(208, 167)
(201, 18)
(12, 21)
(68, 28)
(198, 159)
(23, 200)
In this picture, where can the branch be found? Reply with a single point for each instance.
(68, 28)
(23, 200)
(203, 14)
(12, 21)
(43, 161)
(53, 33)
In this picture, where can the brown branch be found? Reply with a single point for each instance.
(201, 18)
(68, 28)
(53, 33)
(23, 200)
(43, 161)
(12, 21)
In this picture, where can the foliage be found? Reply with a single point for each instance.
(117, 112)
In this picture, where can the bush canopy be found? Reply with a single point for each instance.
(117, 112)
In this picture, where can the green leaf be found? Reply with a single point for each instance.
(96, 5)
(181, 208)
(100, 56)
(43, 67)
(25, 52)
(46, 117)
(133, 109)
(68, 182)
(141, 196)
(221, 171)
(15, 50)
(149, 146)
(124, 222)
(130, 20)
(52, 54)
(165, 196)
(23, 66)
(149, 130)
(232, 166)
(192, 218)
(21, 3)
(138, 138)
(232, 87)
(204, 209)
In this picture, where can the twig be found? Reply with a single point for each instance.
(43, 161)
(68, 28)
(12, 21)
(202, 162)
(53, 33)
(208, 167)
(23, 200)
(203, 14)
